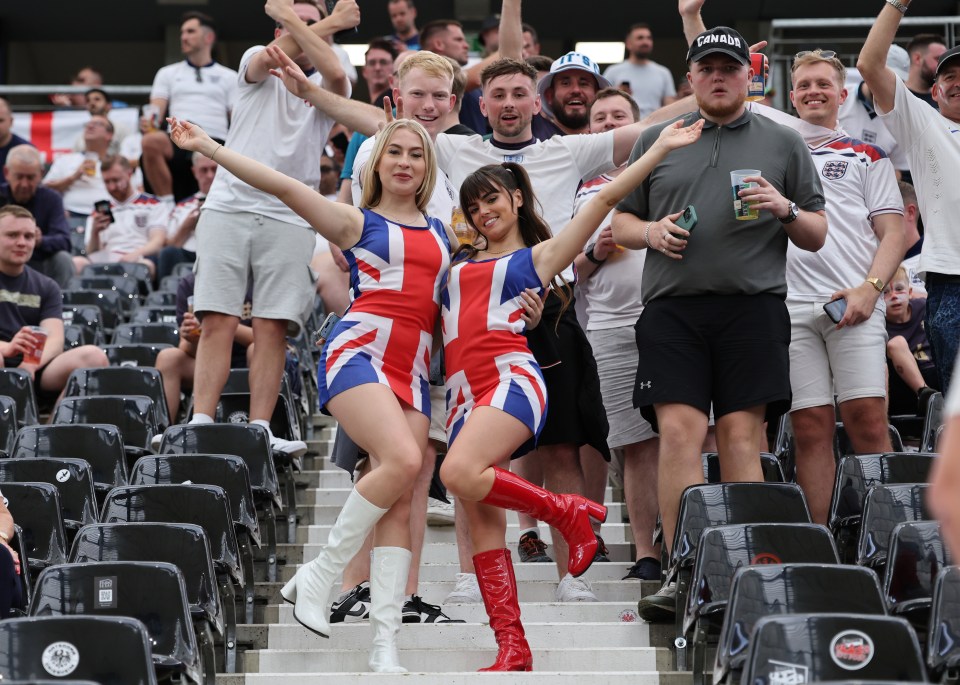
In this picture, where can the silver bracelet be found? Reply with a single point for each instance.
(646, 233)
(899, 6)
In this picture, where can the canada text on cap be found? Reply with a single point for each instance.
(571, 60)
(722, 39)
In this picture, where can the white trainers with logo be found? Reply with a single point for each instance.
(295, 448)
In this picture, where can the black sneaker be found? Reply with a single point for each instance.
(352, 607)
(602, 551)
(532, 548)
(647, 568)
(415, 610)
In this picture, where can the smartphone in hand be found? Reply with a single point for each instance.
(688, 219)
(835, 309)
(103, 206)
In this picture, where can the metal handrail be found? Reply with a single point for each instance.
(37, 89)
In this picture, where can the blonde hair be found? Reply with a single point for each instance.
(900, 275)
(430, 63)
(372, 186)
(817, 56)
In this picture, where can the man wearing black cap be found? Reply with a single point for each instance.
(932, 142)
(715, 329)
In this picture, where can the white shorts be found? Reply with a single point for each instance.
(235, 248)
(850, 363)
(615, 350)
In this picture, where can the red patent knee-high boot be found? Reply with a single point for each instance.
(570, 514)
(498, 586)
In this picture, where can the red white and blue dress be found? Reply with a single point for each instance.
(387, 333)
(488, 362)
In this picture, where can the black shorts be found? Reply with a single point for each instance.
(575, 413)
(731, 351)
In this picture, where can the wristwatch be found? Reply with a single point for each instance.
(592, 258)
(877, 284)
(792, 214)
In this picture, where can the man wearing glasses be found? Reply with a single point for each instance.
(197, 89)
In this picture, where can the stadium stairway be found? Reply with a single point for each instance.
(599, 643)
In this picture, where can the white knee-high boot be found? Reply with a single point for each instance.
(309, 590)
(388, 579)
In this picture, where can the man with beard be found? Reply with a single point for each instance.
(650, 84)
(924, 50)
(566, 94)
(932, 142)
(715, 329)
(403, 18)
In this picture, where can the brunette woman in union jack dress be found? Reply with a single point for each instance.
(496, 396)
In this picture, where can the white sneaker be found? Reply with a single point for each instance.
(466, 591)
(439, 513)
(573, 589)
(155, 442)
(295, 448)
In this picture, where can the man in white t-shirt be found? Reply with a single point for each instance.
(649, 84)
(864, 246)
(244, 231)
(608, 281)
(931, 140)
(76, 175)
(135, 226)
(197, 89)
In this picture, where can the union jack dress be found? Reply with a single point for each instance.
(487, 359)
(387, 333)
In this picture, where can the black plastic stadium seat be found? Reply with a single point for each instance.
(139, 272)
(8, 425)
(885, 507)
(146, 334)
(774, 589)
(36, 509)
(943, 639)
(18, 385)
(113, 380)
(109, 302)
(916, 556)
(89, 318)
(73, 479)
(140, 354)
(35, 650)
(817, 647)
(134, 415)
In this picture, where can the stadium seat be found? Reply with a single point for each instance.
(915, 558)
(35, 650)
(943, 637)
(128, 288)
(18, 385)
(205, 505)
(161, 298)
(932, 424)
(109, 302)
(89, 318)
(773, 589)
(134, 270)
(152, 592)
(99, 444)
(36, 509)
(772, 470)
(113, 380)
(73, 479)
(843, 448)
(146, 334)
(884, 507)
(134, 355)
(154, 314)
(856, 474)
(183, 544)
(134, 415)
(8, 425)
(804, 648)
(724, 549)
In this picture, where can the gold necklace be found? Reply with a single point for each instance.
(401, 223)
(513, 249)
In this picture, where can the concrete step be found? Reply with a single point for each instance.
(612, 533)
(535, 612)
(540, 676)
(469, 659)
(338, 495)
(446, 552)
(326, 514)
(466, 636)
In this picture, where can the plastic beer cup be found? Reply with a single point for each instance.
(742, 210)
(33, 355)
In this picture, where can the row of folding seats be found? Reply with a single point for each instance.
(215, 493)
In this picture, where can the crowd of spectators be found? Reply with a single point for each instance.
(689, 336)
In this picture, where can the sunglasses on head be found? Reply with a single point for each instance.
(826, 54)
